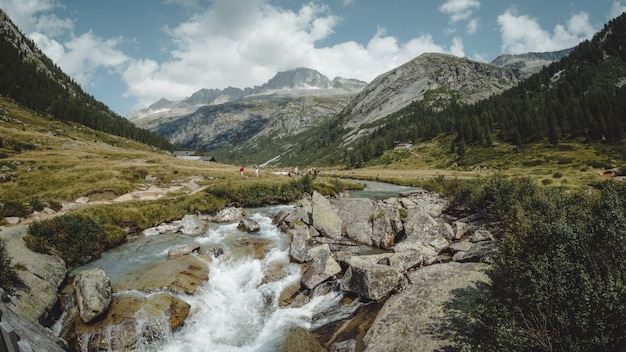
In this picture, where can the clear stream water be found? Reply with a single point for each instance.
(236, 310)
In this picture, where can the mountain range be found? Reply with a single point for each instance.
(302, 117)
(238, 125)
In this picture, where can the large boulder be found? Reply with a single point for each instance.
(301, 212)
(248, 225)
(411, 319)
(93, 293)
(299, 249)
(356, 215)
(372, 276)
(367, 222)
(321, 268)
(432, 203)
(425, 237)
(132, 320)
(417, 223)
(325, 218)
(483, 252)
(230, 214)
(192, 225)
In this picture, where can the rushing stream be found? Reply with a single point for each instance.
(237, 309)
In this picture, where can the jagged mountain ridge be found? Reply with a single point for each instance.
(434, 78)
(530, 63)
(293, 83)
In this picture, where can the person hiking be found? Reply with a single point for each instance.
(256, 171)
(241, 170)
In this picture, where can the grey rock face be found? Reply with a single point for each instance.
(231, 214)
(322, 267)
(413, 81)
(325, 218)
(192, 225)
(248, 225)
(408, 320)
(93, 293)
(373, 280)
(530, 63)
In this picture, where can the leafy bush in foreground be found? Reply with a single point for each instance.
(560, 281)
(74, 238)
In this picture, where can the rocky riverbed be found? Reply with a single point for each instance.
(395, 261)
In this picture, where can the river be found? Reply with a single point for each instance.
(237, 309)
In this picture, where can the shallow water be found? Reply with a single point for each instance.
(237, 309)
(379, 190)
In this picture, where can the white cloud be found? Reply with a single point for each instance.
(34, 16)
(457, 47)
(86, 53)
(459, 9)
(229, 43)
(617, 8)
(79, 56)
(245, 43)
(521, 33)
(472, 26)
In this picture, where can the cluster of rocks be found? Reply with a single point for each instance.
(372, 248)
(372, 244)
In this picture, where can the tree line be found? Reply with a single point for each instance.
(53, 93)
(583, 96)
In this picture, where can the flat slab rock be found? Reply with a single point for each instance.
(184, 274)
(405, 323)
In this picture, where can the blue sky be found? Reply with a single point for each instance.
(130, 53)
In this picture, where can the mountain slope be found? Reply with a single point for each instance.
(581, 98)
(32, 79)
(434, 78)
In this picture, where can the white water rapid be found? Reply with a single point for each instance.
(237, 309)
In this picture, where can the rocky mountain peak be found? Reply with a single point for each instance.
(530, 63)
(300, 78)
(300, 82)
(433, 77)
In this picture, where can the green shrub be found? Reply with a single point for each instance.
(74, 238)
(559, 283)
(8, 276)
(259, 194)
(36, 204)
(12, 208)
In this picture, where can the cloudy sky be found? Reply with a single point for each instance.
(130, 53)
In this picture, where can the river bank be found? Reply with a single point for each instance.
(299, 279)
